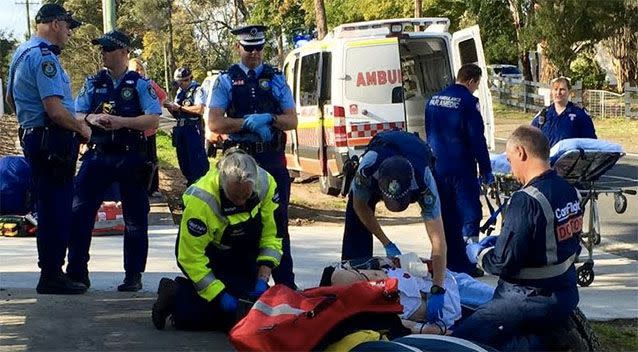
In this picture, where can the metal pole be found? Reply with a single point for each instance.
(28, 19)
(108, 15)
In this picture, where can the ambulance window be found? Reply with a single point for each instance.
(308, 87)
(467, 49)
(372, 72)
(326, 73)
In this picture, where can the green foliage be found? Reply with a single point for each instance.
(617, 335)
(165, 151)
(7, 45)
(584, 68)
(497, 30)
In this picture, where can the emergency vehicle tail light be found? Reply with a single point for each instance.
(341, 137)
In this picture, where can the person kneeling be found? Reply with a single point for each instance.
(227, 246)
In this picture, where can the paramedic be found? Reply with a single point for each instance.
(41, 90)
(252, 103)
(454, 129)
(563, 119)
(533, 256)
(188, 134)
(396, 169)
(227, 246)
(119, 105)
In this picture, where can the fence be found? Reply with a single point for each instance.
(534, 96)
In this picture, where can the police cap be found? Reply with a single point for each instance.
(113, 39)
(52, 12)
(182, 73)
(251, 35)
(395, 179)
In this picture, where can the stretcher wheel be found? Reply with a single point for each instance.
(596, 238)
(620, 203)
(585, 274)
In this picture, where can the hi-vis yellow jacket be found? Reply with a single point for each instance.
(203, 224)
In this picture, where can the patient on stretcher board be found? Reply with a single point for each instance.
(414, 286)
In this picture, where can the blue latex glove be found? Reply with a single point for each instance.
(228, 303)
(264, 133)
(253, 121)
(488, 241)
(435, 307)
(391, 250)
(260, 287)
(488, 179)
(472, 250)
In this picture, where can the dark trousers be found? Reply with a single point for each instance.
(53, 192)
(151, 142)
(357, 239)
(461, 213)
(188, 141)
(517, 316)
(98, 171)
(274, 163)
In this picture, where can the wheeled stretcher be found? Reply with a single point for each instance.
(582, 162)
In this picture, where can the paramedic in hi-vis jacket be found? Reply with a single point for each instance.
(227, 246)
(396, 169)
(533, 256)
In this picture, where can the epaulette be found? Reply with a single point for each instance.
(44, 49)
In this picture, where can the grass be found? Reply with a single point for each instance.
(165, 150)
(617, 335)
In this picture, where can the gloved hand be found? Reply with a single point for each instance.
(228, 302)
(488, 179)
(435, 307)
(472, 250)
(391, 250)
(260, 287)
(264, 133)
(253, 121)
(488, 241)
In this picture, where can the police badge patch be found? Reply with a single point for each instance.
(264, 84)
(127, 93)
(49, 69)
(151, 92)
(196, 227)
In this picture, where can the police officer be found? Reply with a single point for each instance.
(119, 105)
(211, 139)
(227, 246)
(454, 129)
(533, 255)
(253, 105)
(49, 132)
(563, 119)
(396, 169)
(188, 134)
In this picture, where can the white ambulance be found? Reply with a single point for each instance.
(371, 76)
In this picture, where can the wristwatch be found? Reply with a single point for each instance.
(436, 289)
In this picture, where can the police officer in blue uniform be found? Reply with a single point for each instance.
(188, 134)
(454, 129)
(396, 169)
(119, 105)
(533, 256)
(41, 91)
(563, 119)
(252, 103)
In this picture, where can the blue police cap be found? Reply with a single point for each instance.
(51, 12)
(395, 178)
(112, 39)
(251, 35)
(182, 73)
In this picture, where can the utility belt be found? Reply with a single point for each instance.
(276, 145)
(186, 121)
(109, 148)
(54, 149)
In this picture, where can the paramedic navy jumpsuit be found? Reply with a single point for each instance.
(357, 239)
(188, 136)
(114, 156)
(241, 92)
(219, 248)
(36, 76)
(573, 122)
(533, 258)
(454, 129)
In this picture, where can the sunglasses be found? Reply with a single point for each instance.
(251, 48)
(109, 49)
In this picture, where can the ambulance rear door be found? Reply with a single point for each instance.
(291, 72)
(467, 48)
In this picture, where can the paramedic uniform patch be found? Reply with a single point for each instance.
(196, 227)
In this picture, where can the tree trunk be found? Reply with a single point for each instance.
(320, 13)
(280, 48)
(418, 4)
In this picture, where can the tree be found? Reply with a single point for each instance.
(322, 25)
(622, 44)
(7, 45)
(497, 29)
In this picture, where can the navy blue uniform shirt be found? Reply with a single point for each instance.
(573, 122)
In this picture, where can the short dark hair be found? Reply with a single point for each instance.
(468, 72)
(532, 139)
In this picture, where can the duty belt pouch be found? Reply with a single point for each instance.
(59, 149)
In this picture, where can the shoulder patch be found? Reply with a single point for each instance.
(49, 69)
(196, 227)
(151, 91)
(82, 91)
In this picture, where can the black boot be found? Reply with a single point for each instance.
(132, 283)
(165, 304)
(57, 283)
(82, 278)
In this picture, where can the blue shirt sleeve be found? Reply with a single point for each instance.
(200, 95)
(282, 92)
(587, 129)
(49, 75)
(430, 202)
(361, 183)
(476, 134)
(148, 98)
(83, 100)
(220, 94)
(535, 120)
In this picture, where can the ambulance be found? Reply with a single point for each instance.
(367, 77)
